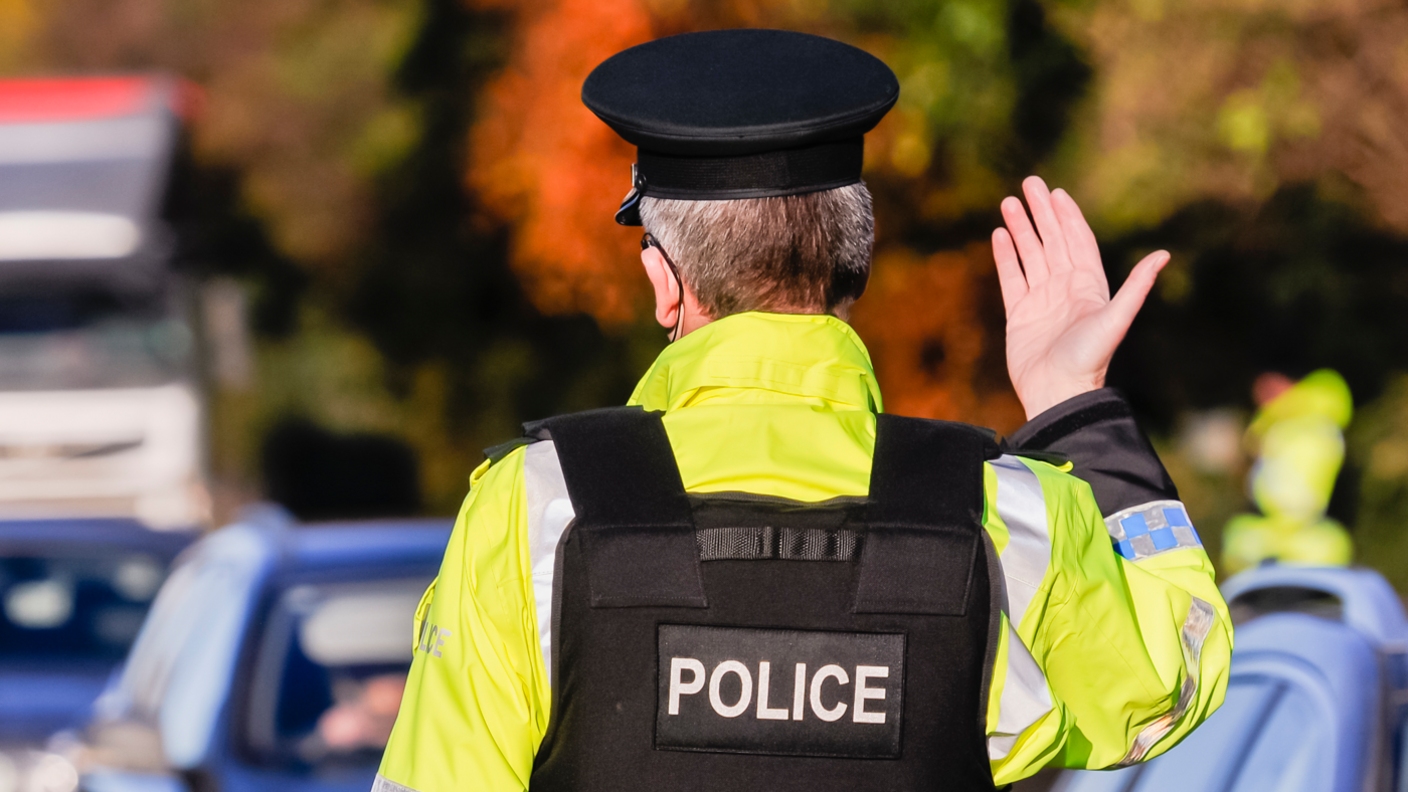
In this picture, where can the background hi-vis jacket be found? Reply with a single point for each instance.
(1115, 641)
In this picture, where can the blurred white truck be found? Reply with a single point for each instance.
(101, 411)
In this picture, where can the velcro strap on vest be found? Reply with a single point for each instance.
(633, 516)
(925, 514)
(767, 542)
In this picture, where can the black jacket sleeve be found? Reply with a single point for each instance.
(1097, 433)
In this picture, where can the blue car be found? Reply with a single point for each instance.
(73, 594)
(274, 659)
(1316, 698)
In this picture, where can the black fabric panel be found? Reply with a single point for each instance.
(601, 737)
(620, 558)
(727, 509)
(926, 505)
(602, 734)
(909, 570)
(1097, 432)
(632, 511)
(927, 472)
(619, 468)
(789, 172)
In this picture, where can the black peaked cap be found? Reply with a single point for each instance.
(740, 113)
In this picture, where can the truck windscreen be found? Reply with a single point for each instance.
(73, 340)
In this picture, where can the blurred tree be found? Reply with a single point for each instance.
(1212, 98)
(1301, 281)
(297, 95)
(319, 475)
(923, 319)
(552, 173)
(544, 165)
(433, 287)
(1378, 442)
(421, 206)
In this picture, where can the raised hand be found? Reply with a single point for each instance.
(1062, 326)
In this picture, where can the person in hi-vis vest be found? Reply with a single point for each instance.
(751, 576)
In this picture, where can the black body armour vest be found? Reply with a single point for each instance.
(739, 642)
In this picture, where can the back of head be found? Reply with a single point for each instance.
(749, 150)
(806, 253)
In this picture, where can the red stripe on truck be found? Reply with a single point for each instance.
(72, 99)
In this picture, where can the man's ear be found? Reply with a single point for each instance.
(665, 286)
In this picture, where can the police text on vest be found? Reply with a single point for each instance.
(786, 692)
(687, 676)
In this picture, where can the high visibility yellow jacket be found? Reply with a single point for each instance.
(1115, 641)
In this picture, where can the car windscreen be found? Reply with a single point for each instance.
(75, 606)
(329, 672)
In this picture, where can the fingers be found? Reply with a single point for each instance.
(1009, 271)
(1053, 238)
(1130, 298)
(1080, 240)
(1028, 245)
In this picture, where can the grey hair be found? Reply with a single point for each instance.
(805, 253)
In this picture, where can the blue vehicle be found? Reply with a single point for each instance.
(273, 659)
(73, 594)
(1316, 698)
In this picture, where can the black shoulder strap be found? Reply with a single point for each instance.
(632, 511)
(619, 468)
(925, 512)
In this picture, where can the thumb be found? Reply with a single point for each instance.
(1130, 298)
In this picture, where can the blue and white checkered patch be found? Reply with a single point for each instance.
(1150, 529)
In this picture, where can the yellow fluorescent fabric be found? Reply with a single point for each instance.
(785, 405)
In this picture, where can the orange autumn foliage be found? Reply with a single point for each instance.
(921, 319)
(545, 165)
(554, 173)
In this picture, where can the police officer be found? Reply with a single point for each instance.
(761, 581)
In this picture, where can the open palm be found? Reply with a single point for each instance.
(1062, 325)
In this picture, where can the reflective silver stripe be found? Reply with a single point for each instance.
(1026, 698)
(383, 784)
(1150, 529)
(549, 512)
(1195, 631)
(1028, 551)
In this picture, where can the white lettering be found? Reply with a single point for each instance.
(678, 687)
(744, 696)
(440, 635)
(864, 674)
(799, 690)
(764, 681)
(831, 671)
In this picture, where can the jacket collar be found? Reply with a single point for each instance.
(764, 358)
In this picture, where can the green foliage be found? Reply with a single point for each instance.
(987, 90)
(1378, 445)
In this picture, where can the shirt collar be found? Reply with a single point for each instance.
(764, 358)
